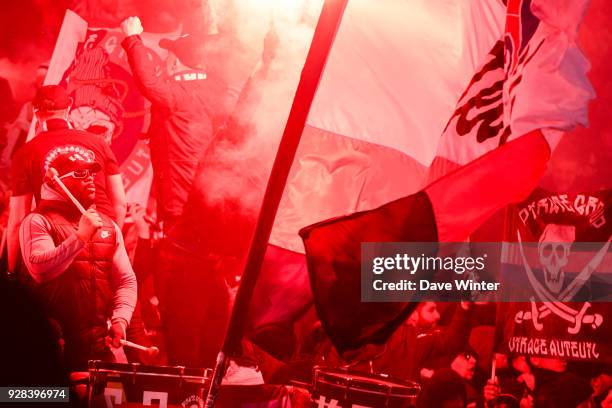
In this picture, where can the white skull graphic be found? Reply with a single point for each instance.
(554, 250)
(85, 117)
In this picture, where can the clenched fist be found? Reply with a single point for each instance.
(131, 26)
(116, 333)
(492, 390)
(88, 224)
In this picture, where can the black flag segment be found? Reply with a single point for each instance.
(333, 251)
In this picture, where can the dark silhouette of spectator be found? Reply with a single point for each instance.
(7, 115)
(29, 346)
(446, 389)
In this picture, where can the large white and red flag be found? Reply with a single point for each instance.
(392, 81)
(394, 74)
(531, 87)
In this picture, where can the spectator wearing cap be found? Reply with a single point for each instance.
(78, 262)
(183, 104)
(51, 105)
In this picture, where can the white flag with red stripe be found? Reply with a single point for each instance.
(394, 74)
(390, 89)
(494, 140)
(392, 79)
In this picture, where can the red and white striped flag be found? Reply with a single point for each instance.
(393, 76)
(391, 81)
(493, 151)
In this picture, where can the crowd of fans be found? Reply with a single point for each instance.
(446, 348)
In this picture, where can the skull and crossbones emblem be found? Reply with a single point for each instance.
(554, 252)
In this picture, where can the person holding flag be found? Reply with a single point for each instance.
(78, 261)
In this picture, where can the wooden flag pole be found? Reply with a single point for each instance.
(323, 38)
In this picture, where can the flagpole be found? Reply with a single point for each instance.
(323, 38)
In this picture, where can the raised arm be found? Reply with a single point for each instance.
(152, 86)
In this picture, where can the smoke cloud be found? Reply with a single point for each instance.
(236, 168)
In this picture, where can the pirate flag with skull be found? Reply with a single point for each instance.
(558, 278)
